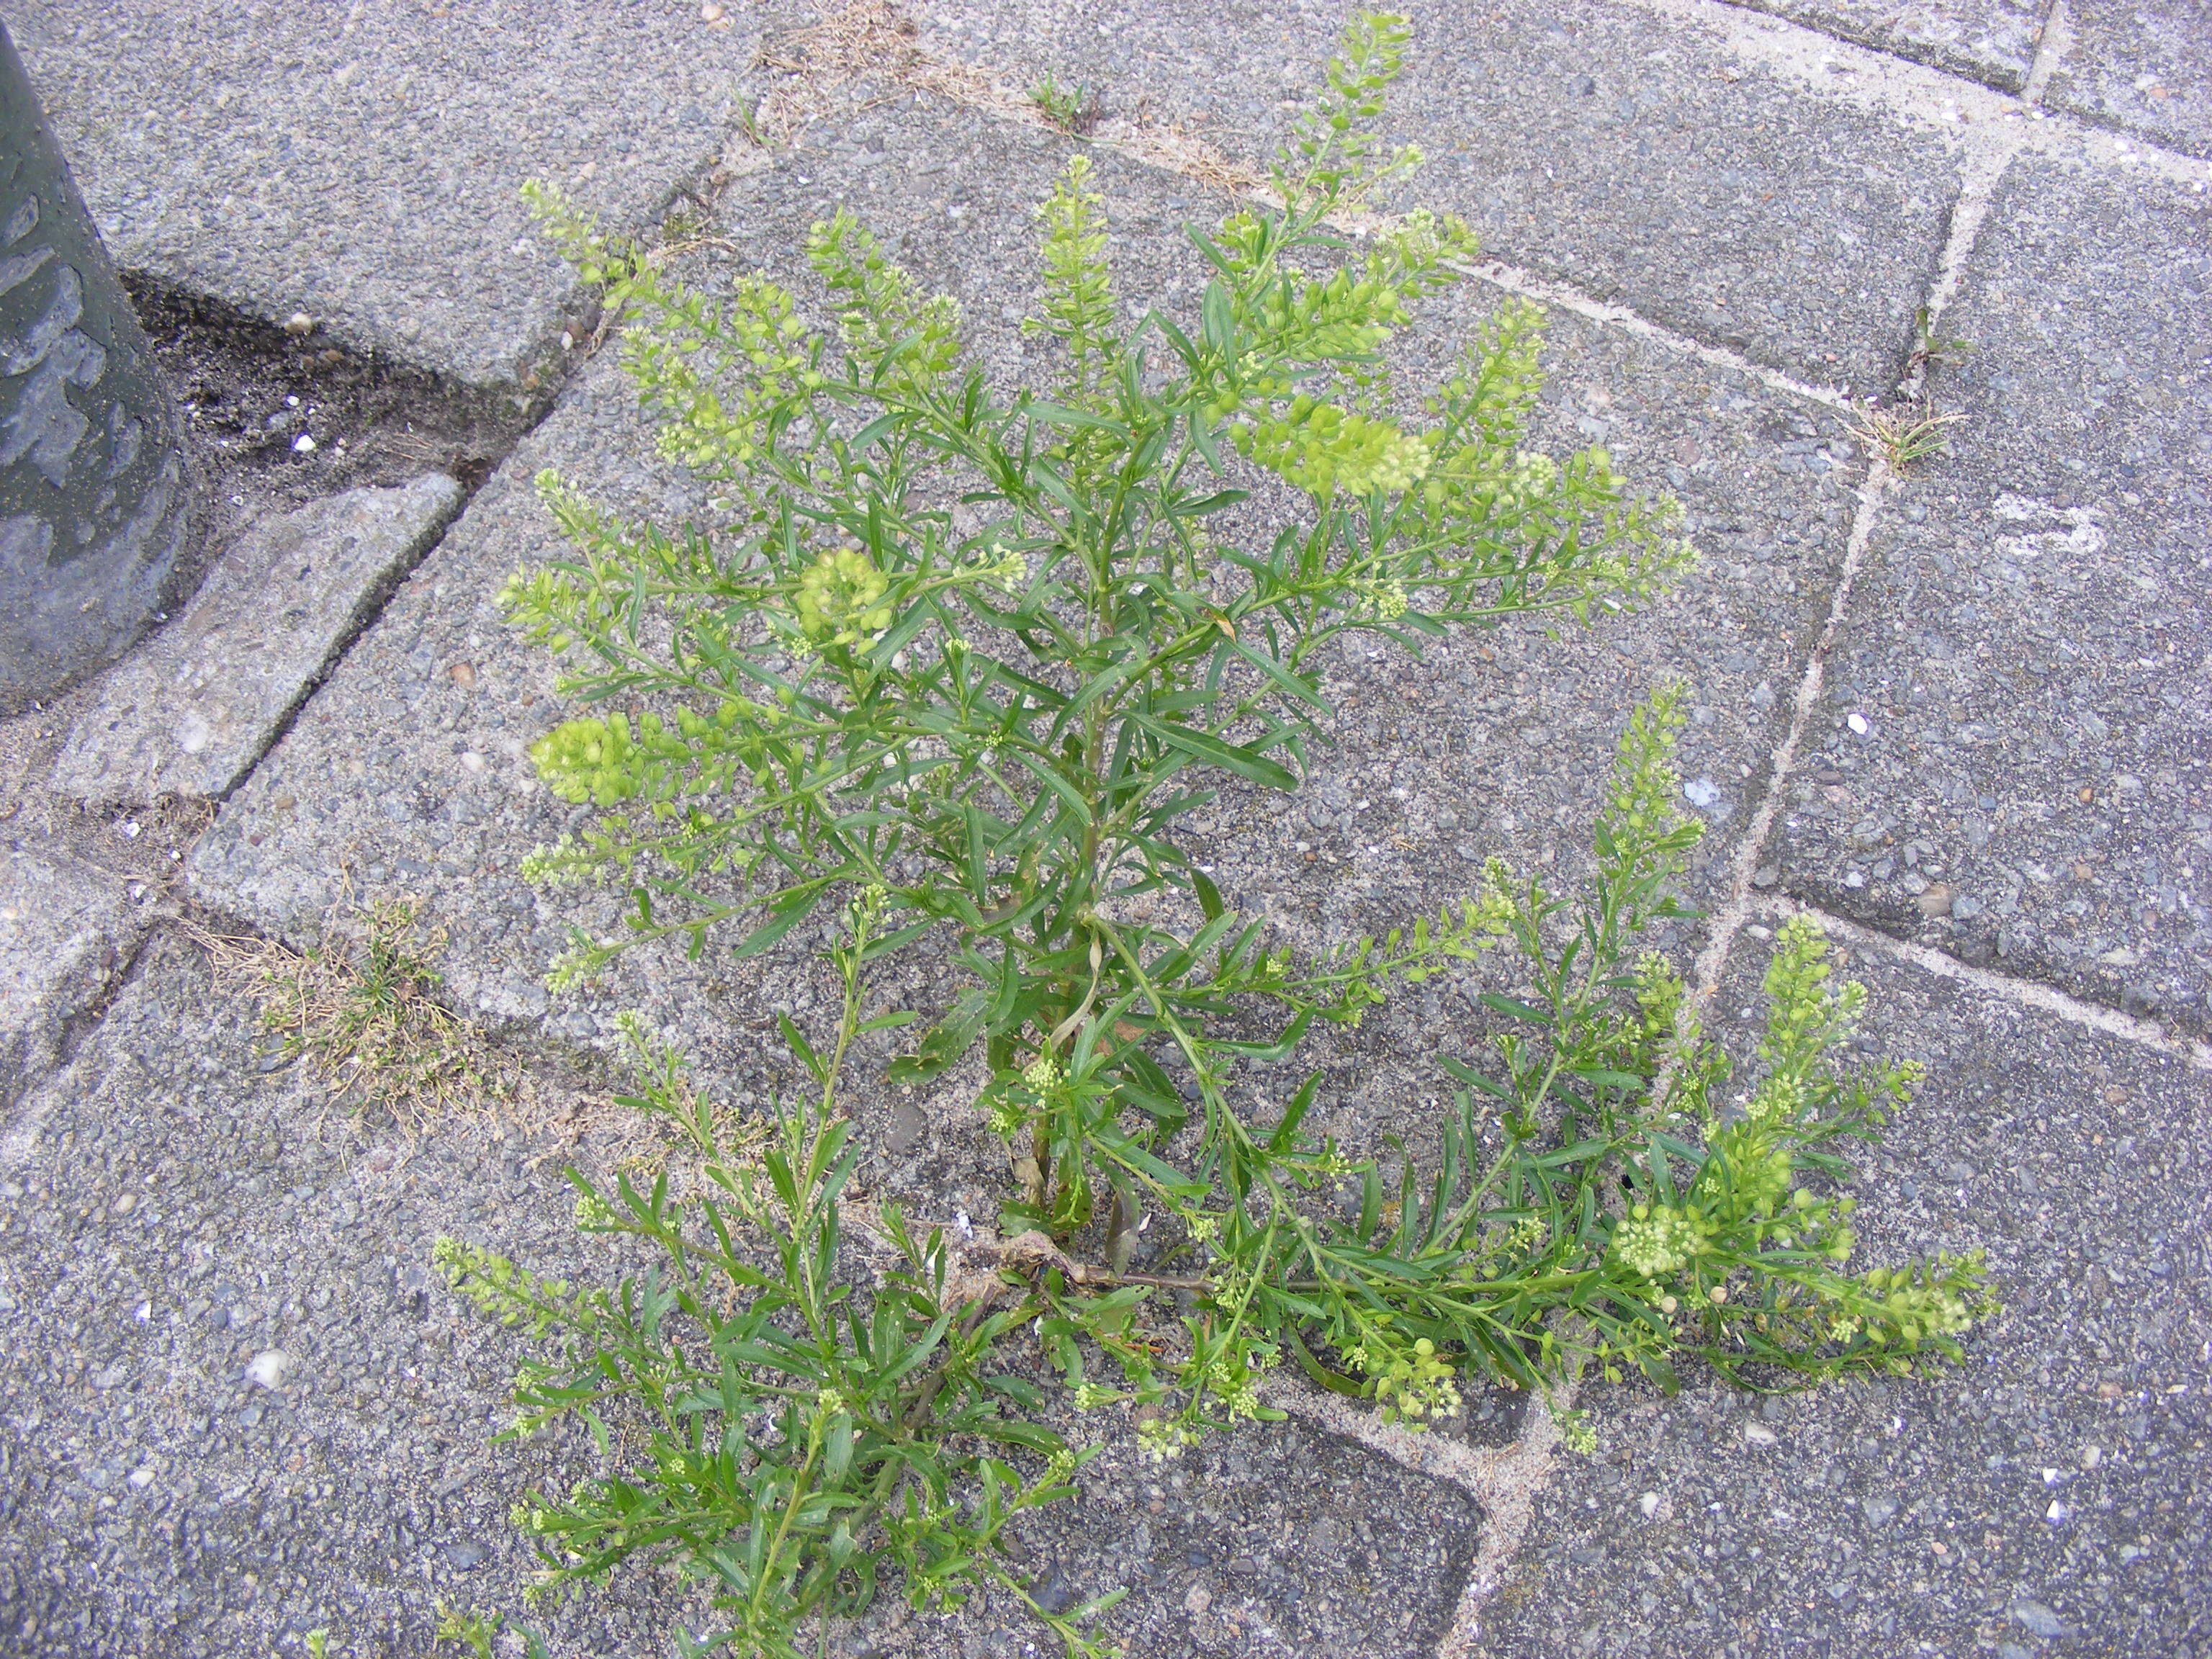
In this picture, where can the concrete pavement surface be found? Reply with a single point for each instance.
(1959, 711)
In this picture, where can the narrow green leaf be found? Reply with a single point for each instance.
(947, 1041)
(1245, 763)
(1209, 896)
(779, 923)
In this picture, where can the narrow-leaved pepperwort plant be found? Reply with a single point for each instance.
(963, 660)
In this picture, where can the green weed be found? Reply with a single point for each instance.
(1902, 436)
(962, 662)
(1072, 109)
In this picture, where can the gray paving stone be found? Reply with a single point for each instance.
(400, 776)
(1630, 153)
(2029, 652)
(2048, 1497)
(65, 931)
(184, 1210)
(1990, 41)
(192, 710)
(361, 167)
(2144, 69)
(181, 1210)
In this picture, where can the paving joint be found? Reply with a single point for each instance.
(2052, 42)
(25, 1113)
(1503, 1480)
(1743, 864)
(2022, 992)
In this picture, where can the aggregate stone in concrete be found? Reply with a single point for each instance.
(1273, 1538)
(183, 1212)
(192, 710)
(1990, 41)
(2049, 1497)
(360, 165)
(186, 1212)
(1633, 155)
(66, 930)
(2142, 69)
(2016, 754)
(407, 772)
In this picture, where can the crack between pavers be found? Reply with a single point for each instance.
(1983, 171)
(2052, 42)
(1514, 280)
(1503, 1480)
(1736, 908)
(25, 1113)
(2023, 993)
(1967, 113)
(365, 615)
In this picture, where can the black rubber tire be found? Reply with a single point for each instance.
(96, 504)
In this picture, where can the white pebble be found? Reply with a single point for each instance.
(1649, 1504)
(267, 1368)
(1758, 1434)
(141, 1477)
(303, 444)
(1856, 721)
(1701, 791)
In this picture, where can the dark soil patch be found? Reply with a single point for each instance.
(251, 392)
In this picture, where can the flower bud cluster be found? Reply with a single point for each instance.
(1656, 1240)
(1166, 1437)
(837, 600)
(1416, 1384)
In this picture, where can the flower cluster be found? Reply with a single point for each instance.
(595, 1215)
(1164, 1437)
(1918, 1305)
(598, 761)
(1416, 1384)
(1327, 451)
(1658, 1240)
(838, 600)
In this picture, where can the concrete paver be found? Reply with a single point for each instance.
(360, 165)
(65, 932)
(2047, 1498)
(2015, 752)
(1632, 154)
(192, 710)
(2144, 70)
(1989, 40)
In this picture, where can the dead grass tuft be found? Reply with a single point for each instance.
(361, 1011)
